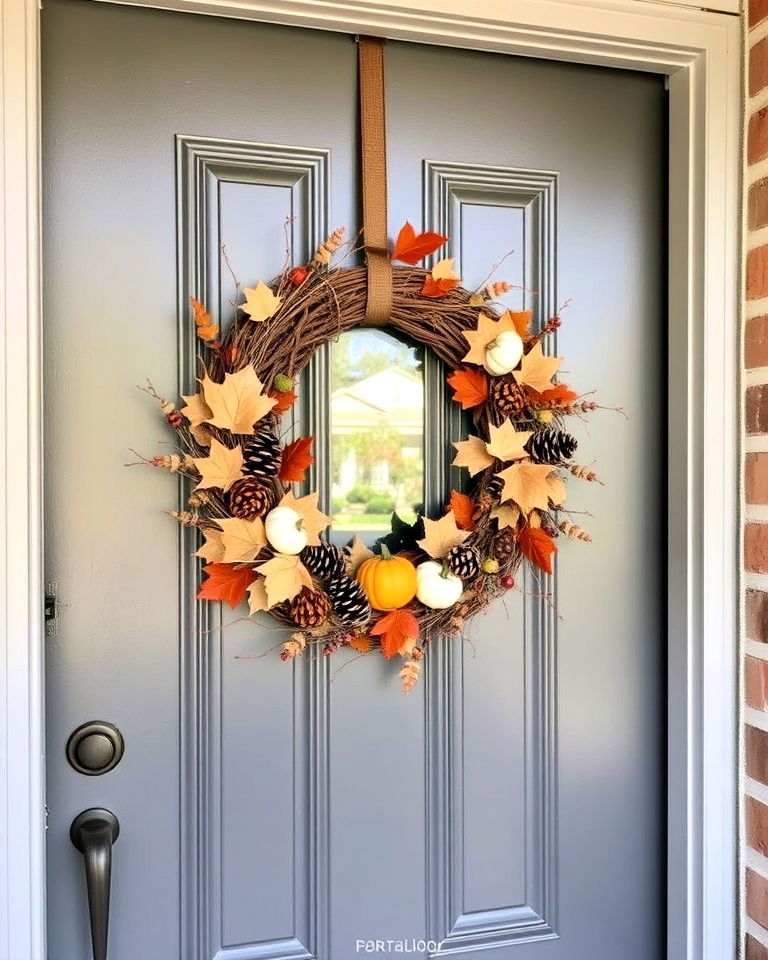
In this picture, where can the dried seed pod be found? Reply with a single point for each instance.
(575, 532)
(491, 291)
(174, 462)
(200, 498)
(409, 675)
(293, 646)
(328, 247)
(585, 473)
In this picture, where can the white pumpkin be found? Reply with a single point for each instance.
(437, 588)
(285, 530)
(504, 353)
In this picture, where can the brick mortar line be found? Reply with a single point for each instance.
(756, 718)
(755, 443)
(756, 308)
(757, 101)
(755, 789)
(756, 513)
(756, 650)
(755, 376)
(756, 238)
(758, 581)
(756, 861)
(759, 933)
(757, 33)
(756, 171)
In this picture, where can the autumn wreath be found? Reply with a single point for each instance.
(263, 542)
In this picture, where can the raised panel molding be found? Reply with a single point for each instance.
(447, 188)
(203, 164)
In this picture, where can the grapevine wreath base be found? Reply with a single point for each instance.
(261, 541)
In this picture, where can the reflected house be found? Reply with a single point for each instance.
(377, 435)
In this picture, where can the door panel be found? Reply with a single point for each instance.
(272, 810)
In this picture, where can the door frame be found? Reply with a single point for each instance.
(700, 54)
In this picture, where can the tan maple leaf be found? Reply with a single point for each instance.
(243, 540)
(441, 535)
(260, 303)
(506, 443)
(198, 412)
(257, 596)
(557, 490)
(284, 576)
(536, 370)
(472, 454)
(239, 402)
(526, 484)
(486, 332)
(357, 553)
(220, 468)
(212, 551)
(315, 521)
(507, 515)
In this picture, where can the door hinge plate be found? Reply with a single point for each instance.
(50, 609)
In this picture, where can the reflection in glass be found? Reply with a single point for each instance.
(377, 431)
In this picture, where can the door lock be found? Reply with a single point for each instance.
(95, 748)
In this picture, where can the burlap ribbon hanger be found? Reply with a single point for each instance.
(373, 164)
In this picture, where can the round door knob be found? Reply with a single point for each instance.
(95, 748)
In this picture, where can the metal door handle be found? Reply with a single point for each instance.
(93, 832)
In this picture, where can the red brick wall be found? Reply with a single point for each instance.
(756, 488)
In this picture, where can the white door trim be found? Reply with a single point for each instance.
(700, 53)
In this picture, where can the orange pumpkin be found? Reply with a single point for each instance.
(389, 581)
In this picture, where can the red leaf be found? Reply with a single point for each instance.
(537, 547)
(559, 395)
(438, 288)
(410, 248)
(285, 400)
(396, 630)
(295, 460)
(463, 510)
(470, 387)
(227, 582)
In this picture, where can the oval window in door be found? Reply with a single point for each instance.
(376, 432)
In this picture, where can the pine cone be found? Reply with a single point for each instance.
(324, 560)
(349, 601)
(508, 397)
(489, 493)
(248, 499)
(261, 455)
(504, 545)
(310, 608)
(463, 561)
(551, 446)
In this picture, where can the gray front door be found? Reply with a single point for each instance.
(515, 799)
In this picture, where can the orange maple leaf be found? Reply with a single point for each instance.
(559, 395)
(295, 460)
(206, 328)
(227, 582)
(410, 248)
(522, 321)
(470, 387)
(537, 547)
(438, 288)
(398, 630)
(463, 510)
(285, 400)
